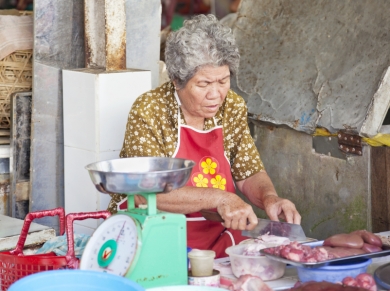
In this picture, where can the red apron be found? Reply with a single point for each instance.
(212, 169)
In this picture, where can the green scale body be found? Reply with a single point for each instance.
(144, 245)
(163, 256)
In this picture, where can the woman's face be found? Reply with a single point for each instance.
(205, 91)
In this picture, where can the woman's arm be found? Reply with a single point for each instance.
(261, 192)
(247, 167)
(235, 212)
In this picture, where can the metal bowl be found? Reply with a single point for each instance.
(140, 175)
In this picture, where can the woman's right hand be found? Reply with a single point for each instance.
(236, 213)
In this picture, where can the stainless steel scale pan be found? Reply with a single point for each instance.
(140, 175)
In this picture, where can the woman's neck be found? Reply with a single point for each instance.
(191, 120)
(195, 122)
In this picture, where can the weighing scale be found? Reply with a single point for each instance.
(143, 244)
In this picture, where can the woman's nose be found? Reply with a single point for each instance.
(214, 91)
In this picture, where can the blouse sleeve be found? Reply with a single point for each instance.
(244, 156)
(142, 137)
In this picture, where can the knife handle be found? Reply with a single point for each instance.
(211, 215)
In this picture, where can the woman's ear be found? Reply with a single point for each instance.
(175, 85)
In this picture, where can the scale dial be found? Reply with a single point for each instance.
(114, 246)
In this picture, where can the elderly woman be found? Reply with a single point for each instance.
(196, 116)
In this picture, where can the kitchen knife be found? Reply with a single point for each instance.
(293, 232)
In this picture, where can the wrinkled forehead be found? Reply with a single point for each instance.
(212, 73)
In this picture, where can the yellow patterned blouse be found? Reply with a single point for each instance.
(152, 130)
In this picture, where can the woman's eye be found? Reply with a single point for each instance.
(224, 81)
(203, 84)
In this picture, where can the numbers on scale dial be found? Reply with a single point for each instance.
(112, 247)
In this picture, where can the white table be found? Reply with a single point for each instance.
(290, 276)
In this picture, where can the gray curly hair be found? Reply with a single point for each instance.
(200, 42)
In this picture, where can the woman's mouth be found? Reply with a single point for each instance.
(216, 106)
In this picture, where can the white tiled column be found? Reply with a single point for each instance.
(96, 106)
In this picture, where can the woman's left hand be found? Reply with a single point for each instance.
(261, 192)
(279, 208)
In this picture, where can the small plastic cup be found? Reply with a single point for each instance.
(202, 262)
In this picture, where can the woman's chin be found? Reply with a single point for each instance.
(210, 115)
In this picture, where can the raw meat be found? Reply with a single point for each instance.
(324, 286)
(349, 281)
(354, 241)
(369, 248)
(337, 246)
(247, 259)
(262, 242)
(369, 237)
(361, 282)
(300, 253)
(366, 281)
(249, 283)
(340, 252)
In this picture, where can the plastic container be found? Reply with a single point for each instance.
(75, 280)
(202, 262)
(260, 266)
(335, 271)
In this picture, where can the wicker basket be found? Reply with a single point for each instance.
(15, 76)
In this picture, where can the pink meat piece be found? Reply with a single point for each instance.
(324, 286)
(296, 245)
(277, 250)
(284, 251)
(309, 259)
(320, 254)
(307, 250)
(366, 281)
(361, 282)
(349, 281)
(301, 253)
(295, 255)
(341, 252)
(369, 248)
(249, 283)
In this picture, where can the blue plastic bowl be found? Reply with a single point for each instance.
(334, 272)
(75, 280)
(188, 260)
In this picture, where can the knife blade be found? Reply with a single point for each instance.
(293, 232)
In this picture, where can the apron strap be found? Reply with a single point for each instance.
(231, 237)
(196, 219)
